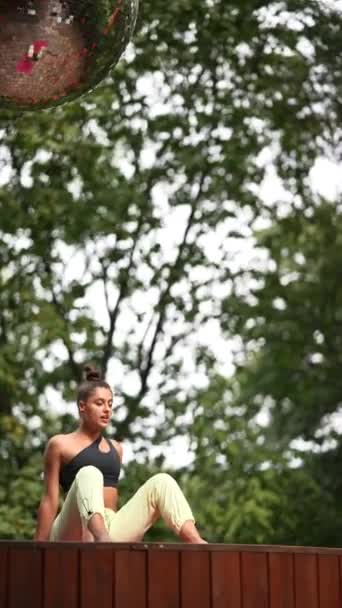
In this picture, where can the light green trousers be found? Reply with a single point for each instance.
(160, 496)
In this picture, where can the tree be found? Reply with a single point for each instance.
(289, 323)
(245, 490)
(92, 187)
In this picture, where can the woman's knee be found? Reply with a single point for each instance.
(164, 479)
(89, 472)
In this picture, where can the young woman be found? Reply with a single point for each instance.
(87, 466)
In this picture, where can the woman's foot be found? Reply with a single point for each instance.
(98, 529)
(103, 538)
(189, 534)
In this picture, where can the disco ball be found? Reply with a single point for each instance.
(53, 51)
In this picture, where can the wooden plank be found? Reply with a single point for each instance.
(281, 580)
(61, 576)
(3, 576)
(25, 576)
(163, 579)
(195, 579)
(329, 582)
(130, 587)
(306, 580)
(39, 575)
(255, 591)
(212, 547)
(226, 580)
(96, 576)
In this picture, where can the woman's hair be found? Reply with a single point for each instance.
(92, 379)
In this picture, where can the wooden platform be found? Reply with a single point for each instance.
(152, 575)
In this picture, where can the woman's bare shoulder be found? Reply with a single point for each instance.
(59, 441)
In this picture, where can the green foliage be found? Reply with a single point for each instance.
(292, 319)
(19, 507)
(244, 490)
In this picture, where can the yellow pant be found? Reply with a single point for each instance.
(159, 496)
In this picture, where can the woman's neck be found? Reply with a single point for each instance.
(90, 433)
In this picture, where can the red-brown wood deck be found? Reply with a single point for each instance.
(153, 575)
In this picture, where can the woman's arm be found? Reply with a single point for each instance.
(49, 504)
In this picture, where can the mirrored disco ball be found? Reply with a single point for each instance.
(52, 51)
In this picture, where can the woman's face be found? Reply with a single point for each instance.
(97, 410)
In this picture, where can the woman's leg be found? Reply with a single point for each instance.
(160, 496)
(82, 517)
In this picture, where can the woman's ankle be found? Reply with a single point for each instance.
(96, 526)
(189, 533)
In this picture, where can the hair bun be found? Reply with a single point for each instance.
(92, 373)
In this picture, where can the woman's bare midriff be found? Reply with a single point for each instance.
(110, 497)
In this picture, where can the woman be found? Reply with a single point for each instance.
(87, 466)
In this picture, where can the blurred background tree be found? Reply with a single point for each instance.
(137, 231)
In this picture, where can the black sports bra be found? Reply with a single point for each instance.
(107, 462)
